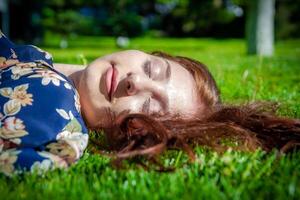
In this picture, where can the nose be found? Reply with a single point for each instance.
(131, 87)
(136, 83)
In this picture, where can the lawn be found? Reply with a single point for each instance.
(232, 175)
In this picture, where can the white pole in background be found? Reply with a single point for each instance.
(260, 27)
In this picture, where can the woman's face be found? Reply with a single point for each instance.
(135, 81)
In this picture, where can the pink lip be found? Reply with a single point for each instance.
(111, 81)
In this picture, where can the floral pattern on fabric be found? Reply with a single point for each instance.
(41, 127)
(7, 161)
(11, 60)
(51, 162)
(48, 77)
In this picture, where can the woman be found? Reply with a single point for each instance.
(142, 83)
(176, 98)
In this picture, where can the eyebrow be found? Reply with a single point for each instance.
(168, 70)
(165, 105)
(146, 106)
(145, 67)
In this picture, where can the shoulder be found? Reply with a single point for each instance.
(43, 101)
(38, 78)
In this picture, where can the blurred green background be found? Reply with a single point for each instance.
(31, 20)
(212, 31)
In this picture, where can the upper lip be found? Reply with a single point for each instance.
(113, 81)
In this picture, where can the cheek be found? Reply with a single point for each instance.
(132, 103)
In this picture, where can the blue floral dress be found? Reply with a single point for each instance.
(41, 127)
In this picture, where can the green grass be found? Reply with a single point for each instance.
(233, 175)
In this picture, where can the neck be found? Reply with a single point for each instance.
(74, 72)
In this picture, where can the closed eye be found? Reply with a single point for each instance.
(146, 106)
(147, 68)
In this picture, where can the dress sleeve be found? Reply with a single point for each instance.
(59, 154)
(41, 127)
(17, 160)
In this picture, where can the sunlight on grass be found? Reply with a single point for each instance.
(232, 175)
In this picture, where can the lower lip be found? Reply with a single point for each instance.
(111, 85)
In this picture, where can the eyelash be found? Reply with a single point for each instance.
(148, 69)
(146, 106)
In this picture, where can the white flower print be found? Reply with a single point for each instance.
(48, 76)
(12, 107)
(6, 92)
(63, 149)
(57, 161)
(18, 71)
(68, 86)
(41, 167)
(1, 144)
(20, 95)
(12, 127)
(68, 135)
(15, 140)
(64, 114)
(77, 140)
(4, 63)
(65, 135)
(43, 64)
(71, 140)
(13, 54)
(31, 65)
(12, 142)
(47, 54)
(76, 101)
(7, 160)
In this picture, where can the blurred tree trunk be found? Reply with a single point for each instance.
(5, 16)
(260, 27)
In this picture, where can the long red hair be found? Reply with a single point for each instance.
(245, 127)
